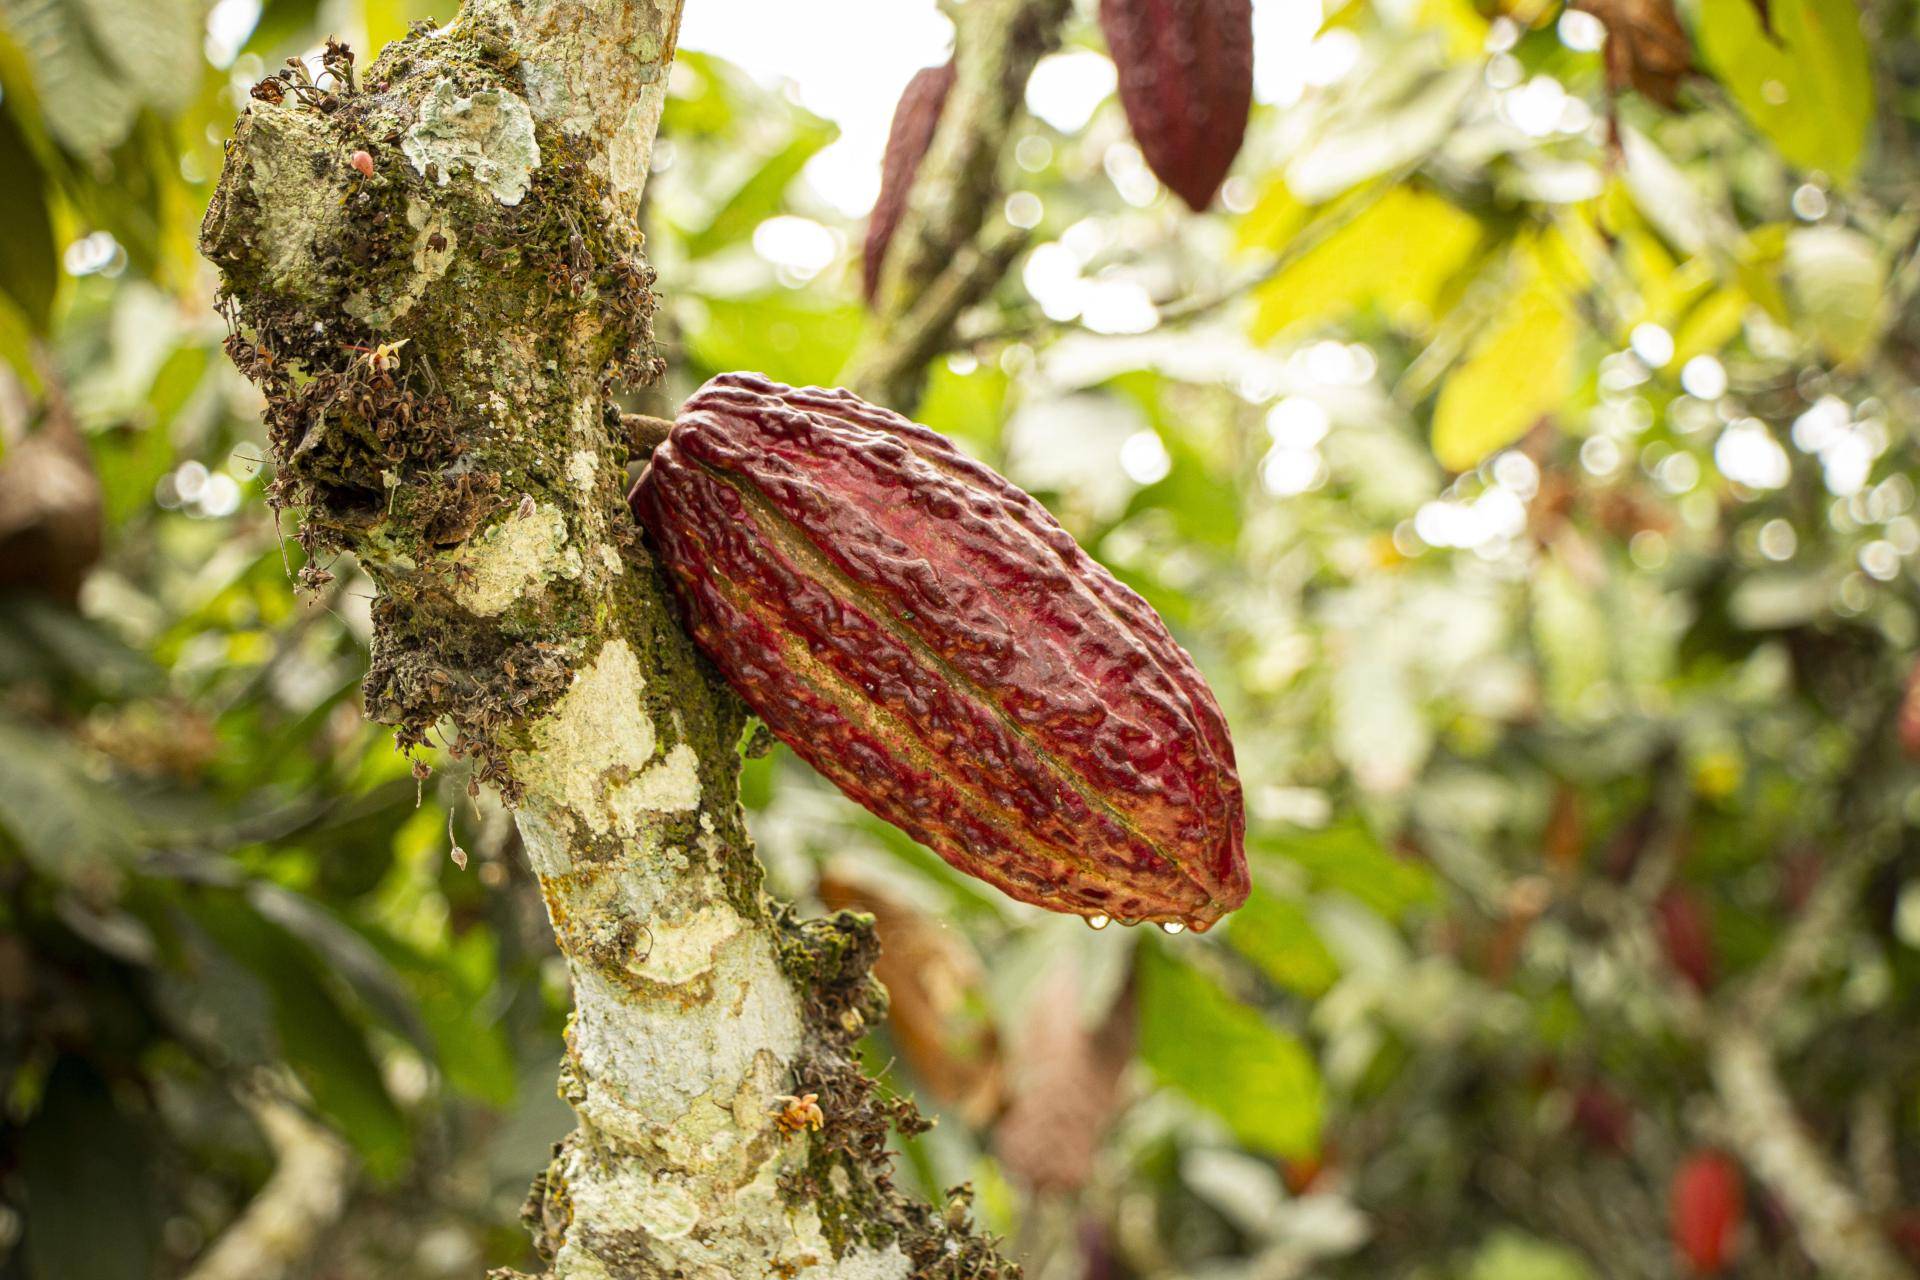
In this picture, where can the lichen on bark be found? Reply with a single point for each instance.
(433, 272)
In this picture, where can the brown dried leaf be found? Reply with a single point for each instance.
(51, 510)
(1647, 48)
(1909, 715)
(914, 119)
(1186, 82)
(934, 987)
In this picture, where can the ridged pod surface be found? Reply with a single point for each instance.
(929, 638)
(914, 119)
(1186, 83)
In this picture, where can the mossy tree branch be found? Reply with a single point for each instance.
(433, 272)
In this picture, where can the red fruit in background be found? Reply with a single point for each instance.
(1909, 719)
(1800, 872)
(1686, 935)
(1302, 1174)
(1707, 1202)
(1564, 841)
(1904, 1231)
(1603, 1117)
(914, 119)
(1186, 82)
(929, 638)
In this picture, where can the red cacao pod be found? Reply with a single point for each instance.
(1707, 1203)
(1686, 935)
(1603, 1117)
(929, 638)
(914, 119)
(1904, 1231)
(1186, 83)
(1908, 719)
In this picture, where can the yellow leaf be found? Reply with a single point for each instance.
(1712, 324)
(1462, 24)
(1516, 374)
(1272, 220)
(1810, 91)
(1399, 255)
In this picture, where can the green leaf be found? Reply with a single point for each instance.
(1516, 374)
(1714, 322)
(1276, 935)
(77, 649)
(69, 825)
(1572, 635)
(326, 1048)
(348, 955)
(1510, 1255)
(29, 264)
(452, 995)
(1347, 857)
(1838, 290)
(1227, 1058)
(763, 193)
(1810, 91)
(785, 335)
(284, 26)
(967, 406)
(89, 1186)
(701, 96)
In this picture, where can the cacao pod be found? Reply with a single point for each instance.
(1907, 720)
(1707, 1203)
(1603, 1117)
(914, 119)
(929, 638)
(1686, 935)
(1186, 84)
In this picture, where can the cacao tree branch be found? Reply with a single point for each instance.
(434, 279)
(933, 269)
(1762, 1125)
(306, 1195)
(1757, 1114)
(1839, 1232)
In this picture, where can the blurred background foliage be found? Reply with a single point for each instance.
(1523, 446)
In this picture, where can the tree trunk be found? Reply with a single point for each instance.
(433, 274)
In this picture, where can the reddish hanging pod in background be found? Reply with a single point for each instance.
(1186, 82)
(1904, 1231)
(914, 119)
(1603, 1117)
(1706, 1202)
(1686, 935)
(929, 638)
(1909, 718)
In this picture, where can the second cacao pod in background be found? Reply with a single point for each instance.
(927, 636)
(1707, 1202)
(1186, 83)
(915, 118)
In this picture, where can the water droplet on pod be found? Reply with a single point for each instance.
(1098, 922)
(1173, 926)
